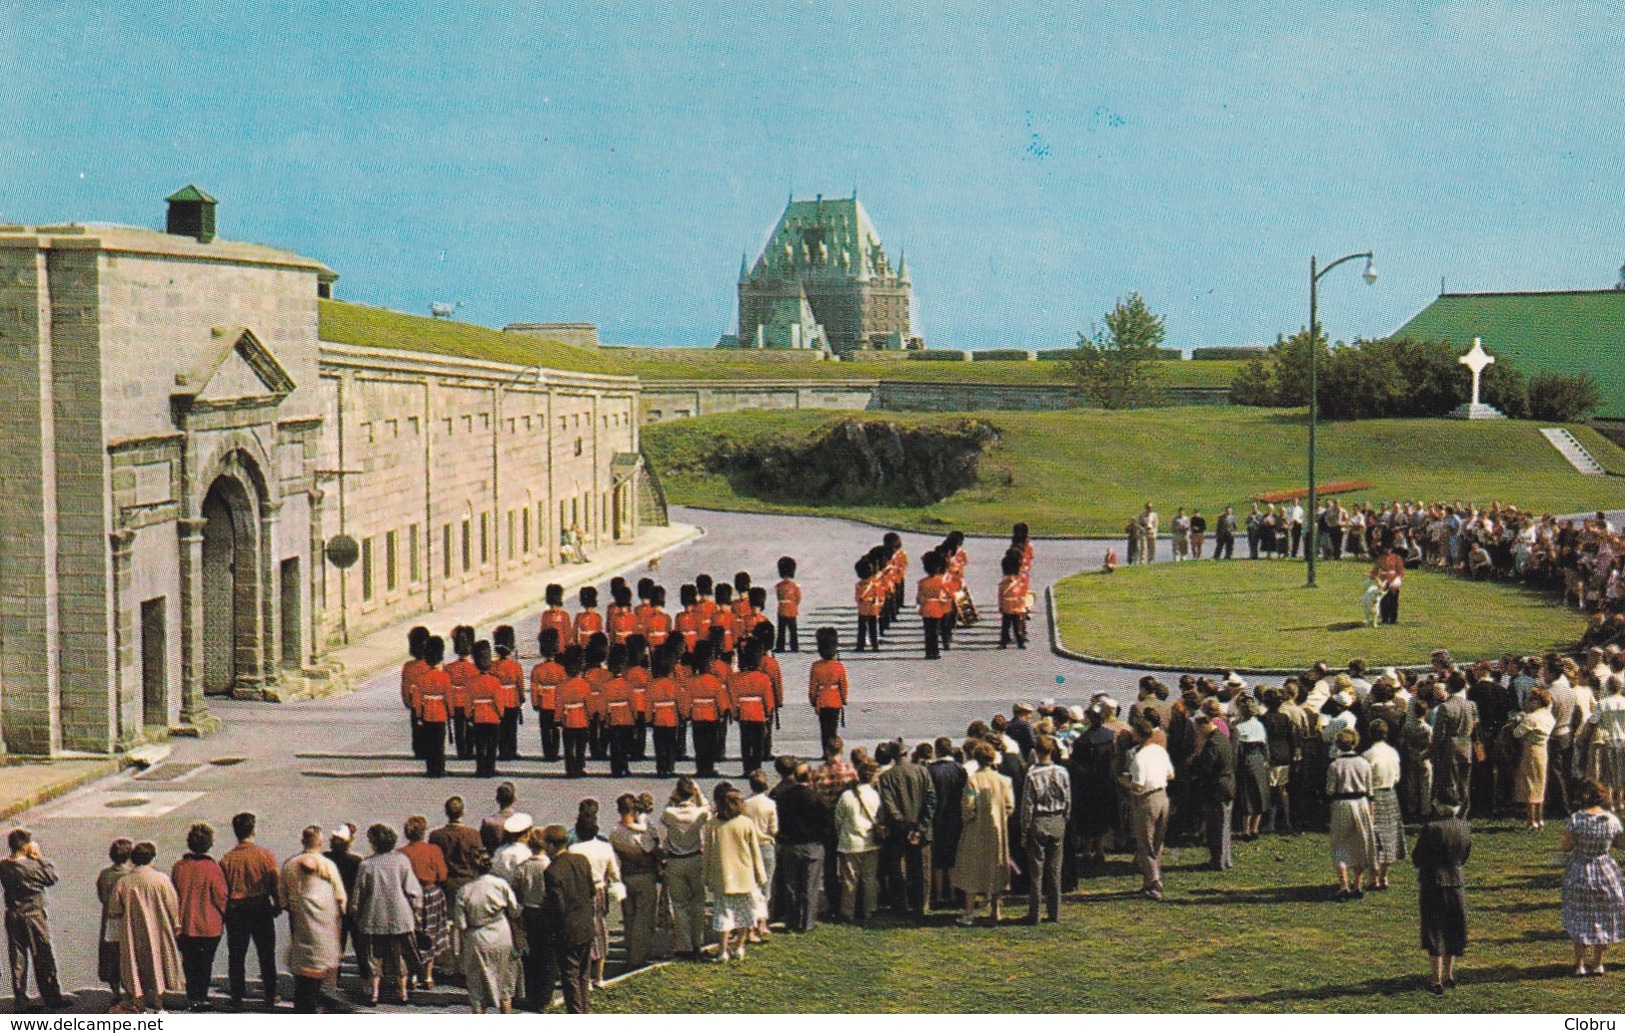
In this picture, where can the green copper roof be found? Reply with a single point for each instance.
(190, 193)
(1552, 332)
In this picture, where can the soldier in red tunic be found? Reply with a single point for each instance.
(429, 695)
(411, 671)
(827, 684)
(545, 679)
(512, 676)
(789, 597)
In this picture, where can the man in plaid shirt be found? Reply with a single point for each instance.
(835, 774)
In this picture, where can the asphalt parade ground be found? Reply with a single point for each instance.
(348, 758)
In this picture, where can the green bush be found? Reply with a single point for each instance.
(1237, 352)
(1003, 355)
(940, 355)
(1054, 354)
(1561, 398)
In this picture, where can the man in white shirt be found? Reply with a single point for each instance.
(1294, 519)
(1149, 772)
(1148, 534)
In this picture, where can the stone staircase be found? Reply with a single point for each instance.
(1573, 451)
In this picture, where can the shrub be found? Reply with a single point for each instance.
(940, 355)
(1055, 354)
(1561, 398)
(1004, 355)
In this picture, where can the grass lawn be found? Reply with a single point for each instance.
(1261, 937)
(1086, 472)
(1258, 615)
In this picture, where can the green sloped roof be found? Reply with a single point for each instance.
(343, 322)
(190, 193)
(1556, 332)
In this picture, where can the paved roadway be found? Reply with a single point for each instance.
(348, 758)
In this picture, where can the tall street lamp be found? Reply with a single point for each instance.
(1311, 520)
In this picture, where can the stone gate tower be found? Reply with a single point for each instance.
(824, 281)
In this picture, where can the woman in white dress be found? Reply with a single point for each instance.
(482, 913)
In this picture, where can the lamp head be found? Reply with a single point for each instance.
(1370, 273)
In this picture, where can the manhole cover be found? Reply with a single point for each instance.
(128, 801)
(226, 762)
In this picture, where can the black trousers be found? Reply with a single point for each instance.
(787, 633)
(1013, 628)
(1388, 607)
(803, 868)
(1297, 539)
(1224, 547)
(665, 751)
(752, 744)
(598, 741)
(308, 994)
(640, 740)
(575, 751)
(486, 738)
(508, 744)
(708, 743)
(868, 630)
(620, 750)
(829, 724)
(256, 924)
(548, 720)
(460, 735)
(947, 626)
(28, 935)
(197, 964)
(433, 738)
(935, 634)
(417, 734)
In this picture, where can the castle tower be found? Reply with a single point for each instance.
(825, 257)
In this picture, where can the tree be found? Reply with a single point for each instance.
(1115, 365)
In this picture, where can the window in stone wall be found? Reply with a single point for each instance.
(392, 428)
(445, 426)
(485, 539)
(412, 426)
(513, 529)
(564, 423)
(513, 425)
(366, 570)
(366, 433)
(578, 446)
(541, 528)
(468, 545)
(524, 532)
(527, 424)
(485, 421)
(468, 424)
(391, 541)
(445, 552)
(414, 569)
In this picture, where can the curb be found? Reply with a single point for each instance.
(17, 805)
(904, 528)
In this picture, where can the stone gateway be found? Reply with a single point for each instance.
(179, 447)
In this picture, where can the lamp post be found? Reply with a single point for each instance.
(1310, 517)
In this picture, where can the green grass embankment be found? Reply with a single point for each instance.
(1086, 472)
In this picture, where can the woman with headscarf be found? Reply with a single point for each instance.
(1353, 837)
(1092, 766)
(200, 886)
(147, 912)
(1441, 850)
(384, 906)
(313, 892)
(482, 913)
(983, 864)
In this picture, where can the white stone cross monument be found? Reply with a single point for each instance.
(1476, 360)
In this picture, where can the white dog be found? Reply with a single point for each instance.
(1370, 601)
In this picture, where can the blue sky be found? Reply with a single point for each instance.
(610, 164)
